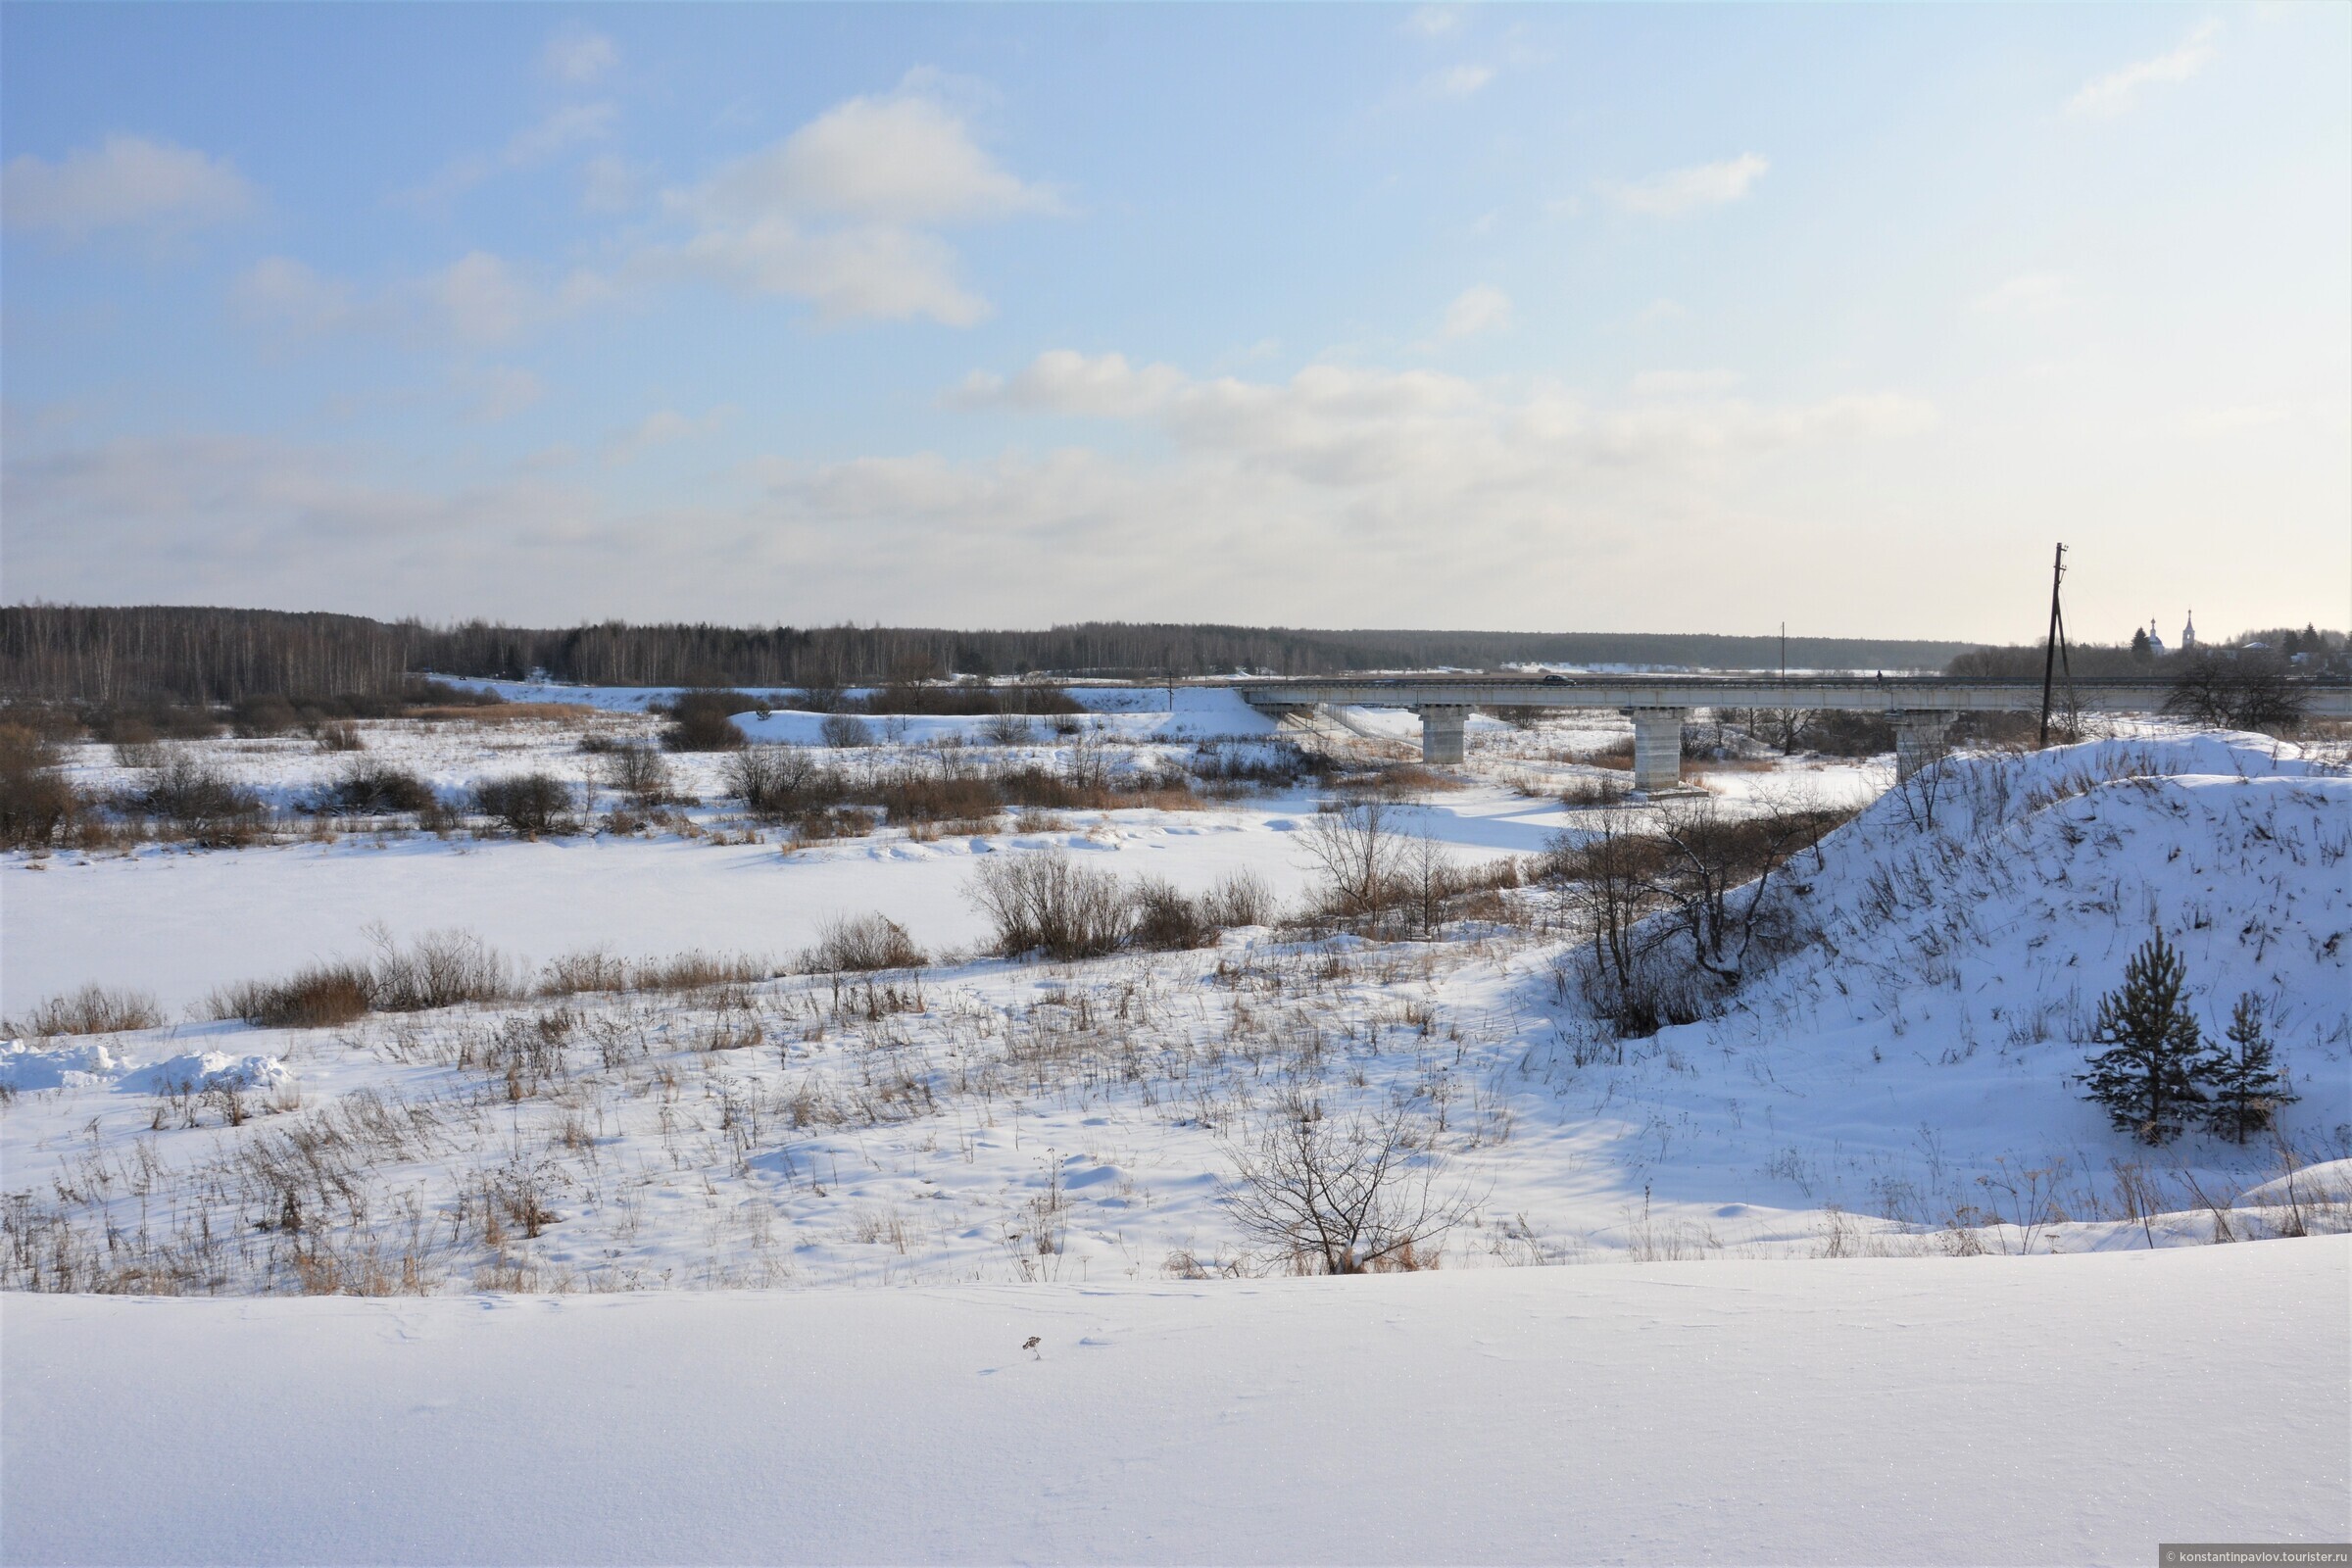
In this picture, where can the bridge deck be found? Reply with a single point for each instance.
(1866, 694)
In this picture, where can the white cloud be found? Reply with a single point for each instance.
(869, 273)
(2028, 294)
(577, 55)
(1684, 383)
(563, 128)
(485, 299)
(2243, 416)
(501, 391)
(560, 130)
(2114, 92)
(479, 298)
(906, 159)
(1460, 81)
(1236, 505)
(123, 182)
(842, 212)
(1684, 190)
(1660, 310)
(279, 293)
(1433, 21)
(1427, 432)
(660, 428)
(1483, 309)
(611, 183)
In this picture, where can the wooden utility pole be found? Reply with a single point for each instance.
(2049, 652)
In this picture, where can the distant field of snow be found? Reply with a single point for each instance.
(2067, 1410)
(1905, 1084)
(178, 924)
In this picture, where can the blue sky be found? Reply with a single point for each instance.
(1675, 318)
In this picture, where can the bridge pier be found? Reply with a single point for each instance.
(1919, 740)
(1442, 734)
(1657, 747)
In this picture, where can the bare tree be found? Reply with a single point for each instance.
(1361, 856)
(1428, 879)
(1342, 1196)
(1717, 872)
(1605, 877)
(2242, 691)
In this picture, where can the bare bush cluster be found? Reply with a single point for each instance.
(1676, 904)
(861, 943)
(704, 720)
(1048, 902)
(527, 804)
(1377, 876)
(94, 1009)
(376, 788)
(195, 801)
(440, 969)
(638, 773)
(38, 806)
(796, 786)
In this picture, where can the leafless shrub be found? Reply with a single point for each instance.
(776, 782)
(846, 731)
(1167, 919)
(597, 970)
(861, 943)
(1239, 898)
(94, 1009)
(439, 970)
(824, 824)
(1594, 789)
(911, 797)
(1010, 729)
(704, 722)
(340, 735)
(1342, 1196)
(821, 697)
(1045, 902)
(375, 787)
(527, 804)
(264, 714)
(38, 806)
(638, 772)
(1410, 781)
(197, 802)
(321, 997)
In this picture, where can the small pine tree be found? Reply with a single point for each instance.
(2247, 1089)
(2147, 1077)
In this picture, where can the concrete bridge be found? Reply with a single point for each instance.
(1921, 706)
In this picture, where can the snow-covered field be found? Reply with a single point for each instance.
(2060, 1411)
(1035, 1148)
(177, 924)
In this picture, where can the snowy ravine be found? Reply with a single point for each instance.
(2063, 1410)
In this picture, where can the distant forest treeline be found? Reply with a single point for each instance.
(188, 654)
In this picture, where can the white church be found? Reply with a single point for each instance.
(2188, 634)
